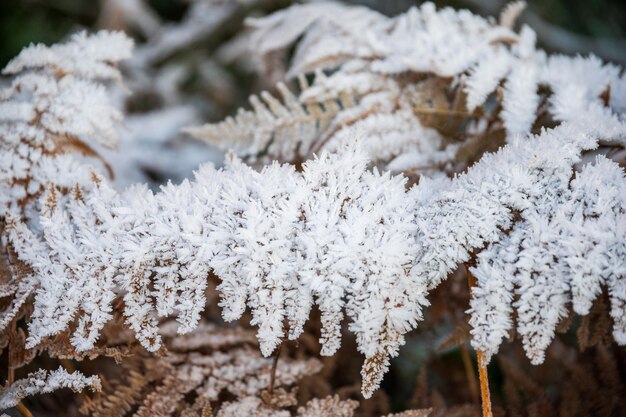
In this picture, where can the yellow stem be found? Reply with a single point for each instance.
(482, 368)
(484, 385)
(23, 410)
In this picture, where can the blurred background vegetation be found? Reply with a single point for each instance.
(596, 22)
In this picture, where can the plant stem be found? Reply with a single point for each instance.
(482, 368)
(23, 410)
(484, 385)
(270, 390)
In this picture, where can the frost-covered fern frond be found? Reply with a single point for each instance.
(41, 382)
(337, 235)
(272, 124)
(56, 103)
(372, 108)
(513, 207)
(316, 23)
(418, 86)
(330, 232)
(330, 406)
(569, 245)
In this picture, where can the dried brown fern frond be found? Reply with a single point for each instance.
(413, 413)
(271, 125)
(425, 91)
(595, 328)
(199, 370)
(17, 285)
(331, 406)
(570, 383)
(56, 103)
(207, 337)
(393, 117)
(249, 406)
(400, 91)
(41, 382)
(128, 389)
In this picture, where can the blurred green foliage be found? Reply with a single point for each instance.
(26, 21)
(595, 18)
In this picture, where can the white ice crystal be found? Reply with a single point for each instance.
(563, 252)
(337, 235)
(56, 101)
(42, 382)
(362, 60)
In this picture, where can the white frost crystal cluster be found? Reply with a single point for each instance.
(331, 232)
(570, 244)
(336, 234)
(385, 77)
(41, 382)
(55, 101)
